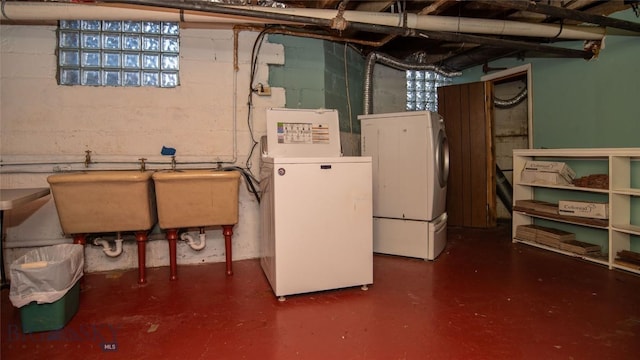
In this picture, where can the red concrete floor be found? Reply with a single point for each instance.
(483, 298)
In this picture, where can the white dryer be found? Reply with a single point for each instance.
(410, 159)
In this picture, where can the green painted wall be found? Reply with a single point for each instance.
(583, 104)
(344, 86)
(302, 74)
(314, 76)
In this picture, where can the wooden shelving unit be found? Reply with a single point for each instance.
(620, 232)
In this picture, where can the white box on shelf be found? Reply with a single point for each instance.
(552, 167)
(543, 177)
(586, 209)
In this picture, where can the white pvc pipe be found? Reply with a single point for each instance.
(58, 11)
(192, 243)
(448, 23)
(106, 247)
(25, 11)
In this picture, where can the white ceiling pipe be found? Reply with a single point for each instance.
(50, 11)
(30, 11)
(448, 23)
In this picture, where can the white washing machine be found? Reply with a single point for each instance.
(410, 155)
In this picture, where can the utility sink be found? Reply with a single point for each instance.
(104, 201)
(196, 198)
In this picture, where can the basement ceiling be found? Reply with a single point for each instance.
(454, 35)
(459, 51)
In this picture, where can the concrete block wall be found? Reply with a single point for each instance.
(389, 90)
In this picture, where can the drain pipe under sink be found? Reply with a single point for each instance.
(192, 243)
(106, 247)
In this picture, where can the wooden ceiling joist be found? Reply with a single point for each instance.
(563, 13)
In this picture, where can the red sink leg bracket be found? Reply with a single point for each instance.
(80, 239)
(172, 237)
(141, 238)
(227, 231)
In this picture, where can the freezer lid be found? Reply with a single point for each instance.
(302, 133)
(317, 160)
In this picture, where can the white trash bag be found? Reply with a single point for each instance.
(45, 274)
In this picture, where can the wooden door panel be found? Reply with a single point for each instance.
(468, 126)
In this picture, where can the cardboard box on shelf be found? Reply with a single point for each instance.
(580, 247)
(543, 177)
(595, 210)
(544, 235)
(537, 205)
(557, 167)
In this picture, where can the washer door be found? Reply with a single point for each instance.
(442, 158)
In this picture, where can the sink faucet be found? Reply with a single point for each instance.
(173, 163)
(143, 166)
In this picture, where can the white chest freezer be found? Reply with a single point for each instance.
(316, 209)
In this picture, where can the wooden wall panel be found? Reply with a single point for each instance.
(476, 143)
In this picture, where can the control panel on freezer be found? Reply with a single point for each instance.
(302, 133)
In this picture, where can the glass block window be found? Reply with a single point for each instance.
(118, 53)
(422, 93)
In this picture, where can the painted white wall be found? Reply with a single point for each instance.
(41, 121)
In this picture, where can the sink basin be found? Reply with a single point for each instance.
(196, 198)
(104, 201)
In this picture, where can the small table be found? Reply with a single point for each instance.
(9, 199)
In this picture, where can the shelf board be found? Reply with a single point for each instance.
(622, 266)
(595, 223)
(569, 153)
(603, 259)
(627, 191)
(565, 187)
(627, 228)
